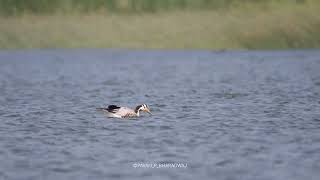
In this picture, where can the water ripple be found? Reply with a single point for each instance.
(228, 115)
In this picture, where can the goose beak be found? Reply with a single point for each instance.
(148, 111)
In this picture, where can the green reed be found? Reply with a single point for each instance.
(200, 24)
(17, 7)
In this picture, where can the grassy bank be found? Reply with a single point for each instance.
(245, 26)
(40, 7)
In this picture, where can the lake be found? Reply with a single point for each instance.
(220, 114)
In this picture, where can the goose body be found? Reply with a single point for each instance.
(124, 112)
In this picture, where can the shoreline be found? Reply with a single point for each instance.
(246, 28)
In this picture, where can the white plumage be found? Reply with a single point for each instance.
(124, 112)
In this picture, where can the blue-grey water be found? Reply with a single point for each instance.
(223, 115)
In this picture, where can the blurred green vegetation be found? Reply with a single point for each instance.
(199, 24)
(18, 7)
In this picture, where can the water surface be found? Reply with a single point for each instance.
(227, 115)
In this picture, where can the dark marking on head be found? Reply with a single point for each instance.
(137, 108)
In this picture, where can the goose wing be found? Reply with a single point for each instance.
(125, 112)
(113, 108)
(110, 109)
(116, 111)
